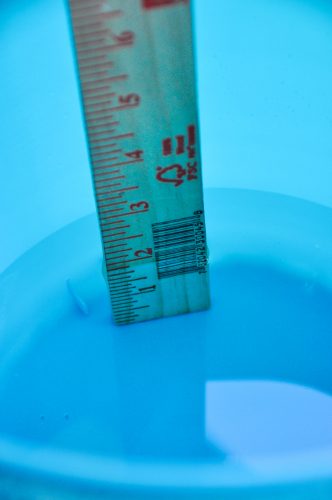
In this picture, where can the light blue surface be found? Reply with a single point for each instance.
(265, 79)
(231, 403)
(235, 401)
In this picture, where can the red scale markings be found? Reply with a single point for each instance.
(95, 43)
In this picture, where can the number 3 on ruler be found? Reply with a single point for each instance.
(143, 205)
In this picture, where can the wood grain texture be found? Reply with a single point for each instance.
(136, 72)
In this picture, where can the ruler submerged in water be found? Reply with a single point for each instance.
(136, 73)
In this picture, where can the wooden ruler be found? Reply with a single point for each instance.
(136, 73)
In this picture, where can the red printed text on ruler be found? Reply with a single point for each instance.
(185, 168)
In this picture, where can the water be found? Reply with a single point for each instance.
(250, 377)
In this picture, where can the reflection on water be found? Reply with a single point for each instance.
(249, 418)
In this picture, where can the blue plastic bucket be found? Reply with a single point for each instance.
(231, 403)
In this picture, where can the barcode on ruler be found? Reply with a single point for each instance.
(180, 246)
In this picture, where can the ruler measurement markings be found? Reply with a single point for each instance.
(121, 292)
(101, 134)
(139, 279)
(118, 251)
(118, 177)
(100, 148)
(96, 112)
(111, 211)
(109, 251)
(76, 2)
(118, 234)
(101, 212)
(132, 237)
(106, 152)
(105, 175)
(94, 73)
(123, 227)
(141, 307)
(137, 259)
(102, 177)
(125, 301)
(108, 166)
(115, 262)
(96, 143)
(112, 269)
(123, 309)
(117, 227)
(89, 42)
(107, 199)
(99, 182)
(98, 120)
(124, 289)
(108, 242)
(105, 227)
(95, 76)
(105, 48)
(100, 16)
(105, 127)
(123, 107)
(128, 320)
(107, 186)
(109, 161)
(124, 296)
(80, 28)
(129, 162)
(87, 11)
(132, 188)
(115, 78)
(123, 283)
(108, 248)
(128, 135)
(86, 68)
(122, 279)
(94, 33)
(100, 96)
(80, 6)
(108, 223)
(108, 125)
(125, 319)
(110, 173)
(124, 276)
(98, 105)
(126, 214)
(95, 91)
